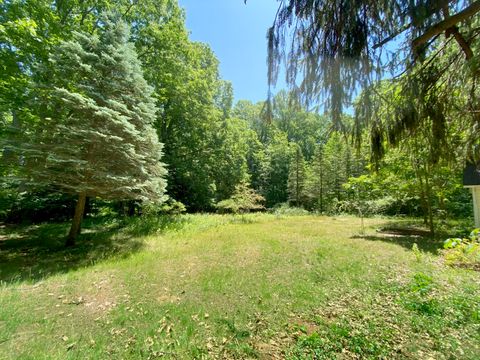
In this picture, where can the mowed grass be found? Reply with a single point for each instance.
(226, 287)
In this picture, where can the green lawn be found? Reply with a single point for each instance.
(225, 287)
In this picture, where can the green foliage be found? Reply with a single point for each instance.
(416, 251)
(463, 251)
(231, 168)
(172, 207)
(168, 207)
(244, 199)
(274, 168)
(212, 145)
(331, 57)
(34, 207)
(296, 178)
(192, 101)
(338, 338)
(99, 96)
(422, 283)
(420, 297)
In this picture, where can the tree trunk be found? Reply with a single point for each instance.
(131, 208)
(77, 220)
(297, 200)
(321, 189)
(428, 194)
(423, 199)
(446, 24)
(88, 207)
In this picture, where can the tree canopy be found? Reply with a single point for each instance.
(334, 49)
(98, 139)
(85, 109)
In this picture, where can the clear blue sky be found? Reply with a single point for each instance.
(237, 34)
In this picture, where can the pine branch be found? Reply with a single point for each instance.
(446, 24)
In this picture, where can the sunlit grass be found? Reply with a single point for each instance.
(253, 286)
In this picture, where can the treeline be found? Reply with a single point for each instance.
(212, 148)
(191, 101)
(301, 160)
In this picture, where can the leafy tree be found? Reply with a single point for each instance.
(183, 74)
(296, 178)
(335, 152)
(332, 56)
(188, 122)
(274, 169)
(306, 128)
(252, 114)
(99, 140)
(244, 199)
(224, 98)
(424, 168)
(330, 50)
(231, 154)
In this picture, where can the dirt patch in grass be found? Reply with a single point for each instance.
(405, 232)
(270, 350)
(94, 300)
(104, 298)
(475, 267)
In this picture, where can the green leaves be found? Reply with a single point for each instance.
(244, 199)
(452, 243)
(101, 142)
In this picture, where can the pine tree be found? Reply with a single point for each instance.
(335, 168)
(296, 178)
(316, 184)
(98, 140)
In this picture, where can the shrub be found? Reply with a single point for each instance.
(286, 209)
(169, 207)
(244, 199)
(464, 252)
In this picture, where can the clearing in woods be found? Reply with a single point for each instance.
(233, 287)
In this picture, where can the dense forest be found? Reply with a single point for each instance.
(110, 106)
(147, 212)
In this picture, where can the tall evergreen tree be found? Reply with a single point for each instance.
(335, 155)
(316, 180)
(98, 140)
(296, 178)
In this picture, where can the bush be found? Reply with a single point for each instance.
(464, 252)
(420, 297)
(169, 207)
(387, 205)
(243, 200)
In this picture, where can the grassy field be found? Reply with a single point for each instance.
(225, 287)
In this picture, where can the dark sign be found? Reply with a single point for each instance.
(471, 175)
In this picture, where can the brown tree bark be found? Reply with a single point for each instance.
(446, 24)
(77, 220)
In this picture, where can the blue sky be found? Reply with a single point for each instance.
(237, 34)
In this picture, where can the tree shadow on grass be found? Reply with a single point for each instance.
(408, 233)
(34, 252)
